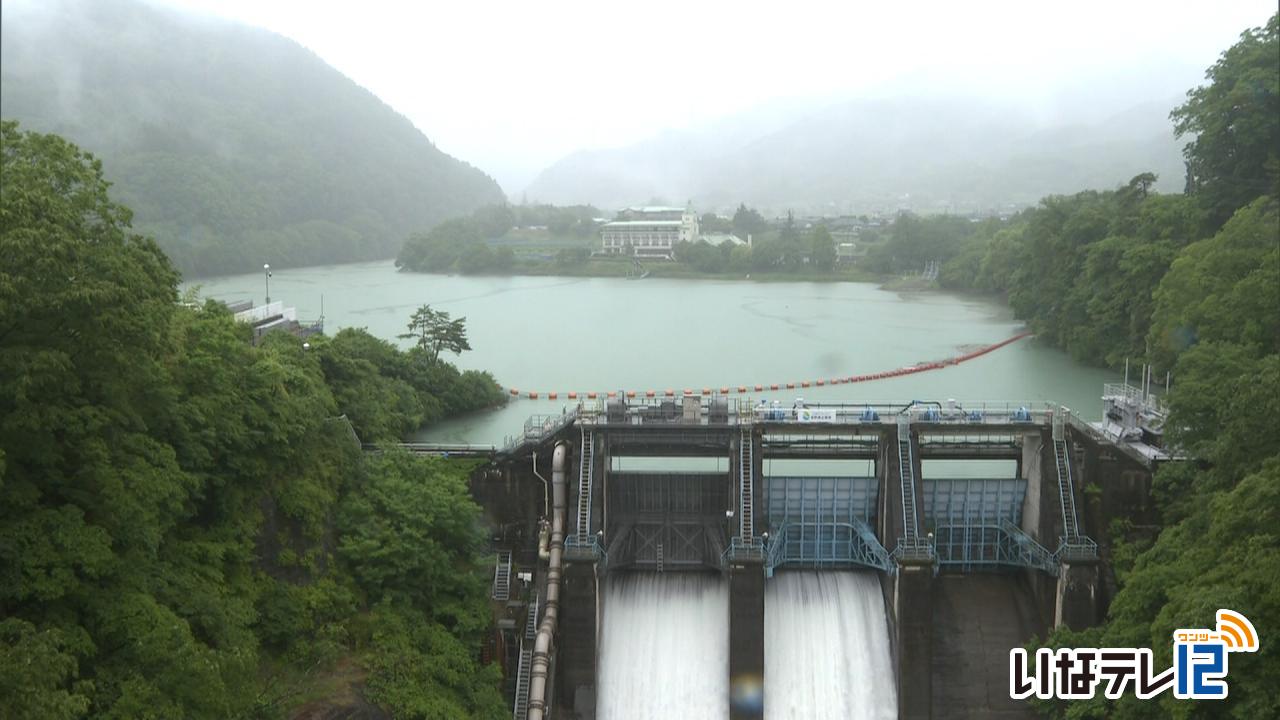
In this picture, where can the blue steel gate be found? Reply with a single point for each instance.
(822, 522)
(976, 522)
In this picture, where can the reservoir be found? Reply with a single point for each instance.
(595, 334)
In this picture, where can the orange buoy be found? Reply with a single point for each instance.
(573, 395)
(631, 393)
(649, 393)
(669, 392)
(612, 394)
(773, 386)
(515, 392)
(551, 396)
(688, 391)
(724, 391)
(791, 386)
(742, 388)
(591, 396)
(533, 394)
(819, 383)
(706, 391)
(759, 388)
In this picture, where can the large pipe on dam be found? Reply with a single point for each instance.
(542, 645)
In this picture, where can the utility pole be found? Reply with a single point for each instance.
(266, 270)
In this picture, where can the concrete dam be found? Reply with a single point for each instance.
(652, 560)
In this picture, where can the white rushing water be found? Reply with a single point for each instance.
(664, 647)
(826, 648)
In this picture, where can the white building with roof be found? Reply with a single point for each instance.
(649, 231)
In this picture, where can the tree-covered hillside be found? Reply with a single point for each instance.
(187, 527)
(234, 146)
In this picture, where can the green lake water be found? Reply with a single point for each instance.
(561, 334)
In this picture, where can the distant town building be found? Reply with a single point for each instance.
(650, 232)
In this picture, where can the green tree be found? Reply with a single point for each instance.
(434, 331)
(710, 222)
(1234, 121)
(822, 249)
(748, 221)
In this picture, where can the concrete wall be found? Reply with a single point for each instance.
(1041, 515)
(977, 619)
(577, 642)
(913, 643)
(1112, 486)
(1041, 507)
(1077, 600)
(746, 640)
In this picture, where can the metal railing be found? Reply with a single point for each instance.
(819, 544)
(907, 484)
(669, 411)
(444, 449)
(744, 411)
(590, 549)
(1136, 396)
(540, 427)
(746, 484)
(922, 551)
(979, 544)
(520, 707)
(1082, 548)
(740, 549)
(984, 412)
(502, 576)
(586, 470)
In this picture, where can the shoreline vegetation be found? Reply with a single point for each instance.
(670, 270)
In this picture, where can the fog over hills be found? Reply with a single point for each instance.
(233, 145)
(925, 154)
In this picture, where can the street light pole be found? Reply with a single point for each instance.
(266, 269)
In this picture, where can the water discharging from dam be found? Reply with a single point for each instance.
(664, 647)
(826, 648)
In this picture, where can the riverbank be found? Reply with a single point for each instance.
(620, 268)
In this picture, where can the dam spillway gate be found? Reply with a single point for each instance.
(736, 514)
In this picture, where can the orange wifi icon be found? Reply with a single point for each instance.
(1237, 632)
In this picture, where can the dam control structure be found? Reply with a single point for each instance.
(572, 501)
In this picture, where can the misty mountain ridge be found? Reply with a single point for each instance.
(234, 146)
(879, 155)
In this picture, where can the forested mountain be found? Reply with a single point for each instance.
(234, 146)
(878, 155)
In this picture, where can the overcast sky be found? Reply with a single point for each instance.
(513, 86)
